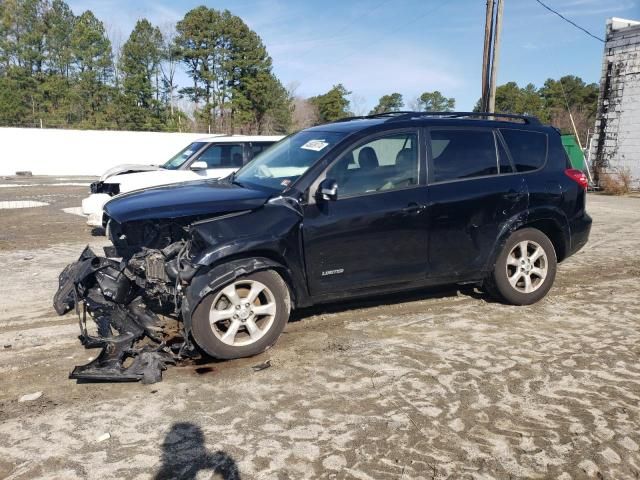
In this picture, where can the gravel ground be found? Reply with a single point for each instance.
(434, 384)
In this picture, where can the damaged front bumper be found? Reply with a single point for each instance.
(123, 298)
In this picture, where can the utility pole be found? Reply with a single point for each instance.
(491, 53)
(495, 57)
(486, 55)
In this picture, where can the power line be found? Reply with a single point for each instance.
(338, 34)
(571, 22)
(382, 37)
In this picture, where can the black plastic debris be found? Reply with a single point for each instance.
(261, 366)
(129, 333)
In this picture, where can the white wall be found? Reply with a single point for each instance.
(84, 152)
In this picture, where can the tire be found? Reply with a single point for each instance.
(224, 324)
(523, 281)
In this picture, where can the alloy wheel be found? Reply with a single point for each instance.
(242, 312)
(527, 266)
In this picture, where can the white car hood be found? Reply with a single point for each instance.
(136, 181)
(129, 168)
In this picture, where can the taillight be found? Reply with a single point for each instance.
(577, 176)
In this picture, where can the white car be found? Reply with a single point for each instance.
(210, 157)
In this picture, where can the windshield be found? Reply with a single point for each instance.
(283, 163)
(182, 156)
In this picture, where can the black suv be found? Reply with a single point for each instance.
(353, 208)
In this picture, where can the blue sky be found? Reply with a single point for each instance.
(375, 47)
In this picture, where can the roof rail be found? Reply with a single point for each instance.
(406, 115)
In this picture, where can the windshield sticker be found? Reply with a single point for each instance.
(315, 145)
(187, 153)
(286, 182)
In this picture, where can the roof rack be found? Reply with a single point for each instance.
(406, 115)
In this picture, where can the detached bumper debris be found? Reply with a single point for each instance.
(116, 295)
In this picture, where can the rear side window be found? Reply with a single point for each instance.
(528, 149)
(222, 156)
(257, 148)
(461, 154)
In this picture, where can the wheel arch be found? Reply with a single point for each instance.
(554, 232)
(226, 270)
(550, 221)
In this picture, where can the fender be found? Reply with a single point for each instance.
(209, 280)
(230, 246)
(528, 217)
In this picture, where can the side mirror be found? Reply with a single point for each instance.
(199, 165)
(328, 189)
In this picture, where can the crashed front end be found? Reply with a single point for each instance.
(134, 305)
(142, 294)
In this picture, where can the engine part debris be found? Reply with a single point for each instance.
(116, 295)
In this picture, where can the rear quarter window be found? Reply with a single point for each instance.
(528, 149)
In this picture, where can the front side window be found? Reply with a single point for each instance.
(460, 154)
(182, 156)
(279, 166)
(528, 149)
(222, 156)
(386, 163)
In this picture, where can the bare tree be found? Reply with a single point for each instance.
(114, 34)
(305, 114)
(414, 104)
(358, 105)
(169, 64)
(582, 118)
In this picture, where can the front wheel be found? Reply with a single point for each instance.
(243, 318)
(525, 269)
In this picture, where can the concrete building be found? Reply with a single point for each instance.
(616, 143)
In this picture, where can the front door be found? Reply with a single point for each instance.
(374, 234)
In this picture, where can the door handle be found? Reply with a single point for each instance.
(414, 208)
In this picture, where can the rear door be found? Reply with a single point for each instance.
(375, 233)
(473, 190)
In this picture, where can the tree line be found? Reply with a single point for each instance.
(551, 103)
(58, 69)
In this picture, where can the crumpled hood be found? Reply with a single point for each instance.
(128, 168)
(190, 199)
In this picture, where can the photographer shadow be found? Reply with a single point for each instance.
(184, 455)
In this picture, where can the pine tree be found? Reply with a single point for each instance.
(332, 105)
(388, 103)
(92, 57)
(139, 66)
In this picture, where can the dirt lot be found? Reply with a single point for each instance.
(427, 385)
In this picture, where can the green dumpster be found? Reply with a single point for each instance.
(573, 150)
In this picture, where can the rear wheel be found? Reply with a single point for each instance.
(243, 318)
(525, 269)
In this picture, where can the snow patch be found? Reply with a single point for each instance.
(11, 204)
